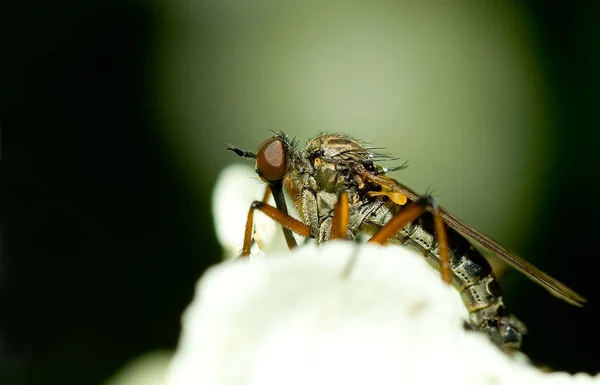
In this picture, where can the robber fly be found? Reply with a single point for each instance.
(340, 191)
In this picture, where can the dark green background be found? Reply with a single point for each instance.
(104, 232)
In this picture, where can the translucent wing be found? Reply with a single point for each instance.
(555, 287)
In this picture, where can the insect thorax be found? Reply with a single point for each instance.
(319, 173)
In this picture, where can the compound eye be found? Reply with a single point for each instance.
(270, 160)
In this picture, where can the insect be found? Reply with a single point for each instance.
(340, 191)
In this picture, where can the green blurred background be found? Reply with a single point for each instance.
(113, 113)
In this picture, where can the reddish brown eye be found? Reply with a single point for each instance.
(270, 160)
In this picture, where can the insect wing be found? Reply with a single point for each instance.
(555, 287)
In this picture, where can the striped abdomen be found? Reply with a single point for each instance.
(472, 274)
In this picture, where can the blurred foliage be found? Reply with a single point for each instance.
(112, 114)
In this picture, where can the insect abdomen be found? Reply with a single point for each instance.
(472, 274)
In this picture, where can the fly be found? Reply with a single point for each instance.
(340, 191)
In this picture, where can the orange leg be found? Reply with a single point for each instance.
(339, 226)
(409, 214)
(265, 199)
(287, 222)
(267, 195)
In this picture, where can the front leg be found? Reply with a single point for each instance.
(288, 224)
(310, 211)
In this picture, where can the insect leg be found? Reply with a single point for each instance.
(265, 199)
(287, 222)
(339, 226)
(409, 214)
(267, 195)
(277, 191)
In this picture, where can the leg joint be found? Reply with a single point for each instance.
(428, 201)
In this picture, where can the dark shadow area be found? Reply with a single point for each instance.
(102, 240)
(561, 336)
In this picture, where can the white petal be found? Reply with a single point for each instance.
(236, 188)
(294, 320)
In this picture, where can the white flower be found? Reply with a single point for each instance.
(237, 187)
(341, 313)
